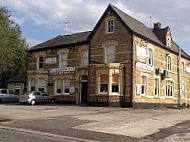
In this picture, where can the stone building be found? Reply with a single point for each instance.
(120, 62)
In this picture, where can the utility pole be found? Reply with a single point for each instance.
(151, 23)
(66, 23)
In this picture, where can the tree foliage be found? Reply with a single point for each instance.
(12, 48)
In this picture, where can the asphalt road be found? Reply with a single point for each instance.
(17, 136)
(76, 123)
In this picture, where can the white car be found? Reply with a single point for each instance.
(7, 95)
(36, 97)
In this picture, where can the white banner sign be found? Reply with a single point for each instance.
(144, 67)
(141, 53)
(62, 71)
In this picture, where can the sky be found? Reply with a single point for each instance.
(41, 20)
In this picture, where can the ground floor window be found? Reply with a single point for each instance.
(66, 86)
(32, 84)
(115, 83)
(41, 85)
(143, 85)
(58, 86)
(183, 91)
(103, 84)
(169, 88)
(157, 87)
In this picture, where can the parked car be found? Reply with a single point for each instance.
(36, 97)
(7, 95)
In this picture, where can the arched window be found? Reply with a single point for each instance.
(157, 87)
(150, 57)
(110, 26)
(143, 85)
(169, 88)
(169, 63)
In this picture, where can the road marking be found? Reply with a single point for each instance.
(45, 134)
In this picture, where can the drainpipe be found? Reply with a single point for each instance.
(124, 84)
(179, 65)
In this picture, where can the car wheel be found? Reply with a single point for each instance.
(52, 101)
(33, 102)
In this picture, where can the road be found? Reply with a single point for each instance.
(96, 123)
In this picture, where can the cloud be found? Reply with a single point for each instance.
(33, 41)
(84, 14)
(18, 20)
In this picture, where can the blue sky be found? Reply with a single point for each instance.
(41, 20)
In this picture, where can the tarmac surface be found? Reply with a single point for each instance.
(96, 123)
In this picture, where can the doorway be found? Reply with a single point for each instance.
(84, 89)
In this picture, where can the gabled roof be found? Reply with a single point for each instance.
(17, 79)
(62, 41)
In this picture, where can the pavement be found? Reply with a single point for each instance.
(82, 123)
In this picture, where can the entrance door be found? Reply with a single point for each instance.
(84, 89)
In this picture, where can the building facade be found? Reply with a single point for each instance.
(120, 62)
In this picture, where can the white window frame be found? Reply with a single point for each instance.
(113, 82)
(42, 86)
(107, 55)
(30, 84)
(56, 81)
(66, 86)
(99, 84)
(158, 90)
(83, 57)
(183, 92)
(151, 58)
(146, 80)
(169, 66)
(38, 62)
(170, 85)
(110, 25)
(60, 60)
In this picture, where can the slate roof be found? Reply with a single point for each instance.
(63, 40)
(19, 78)
(136, 26)
(160, 33)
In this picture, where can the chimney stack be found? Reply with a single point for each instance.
(157, 25)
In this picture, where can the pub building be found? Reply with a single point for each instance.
(120, 62)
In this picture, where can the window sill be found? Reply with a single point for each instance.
(167, 97)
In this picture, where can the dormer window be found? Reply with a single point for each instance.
(168, 41)
(110, 26)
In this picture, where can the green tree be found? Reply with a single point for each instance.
(12, 48)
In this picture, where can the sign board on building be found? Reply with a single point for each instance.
(51, 60)
(144, 67)
(62, 71)
(141, 53)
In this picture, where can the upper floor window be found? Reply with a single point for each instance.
(156, 87)
(150, 57)
(63, 60)
(169, 63)
(110, 26)
(168, 41)
(84, 58)
(143, 85)
(169, 88)
(182, 68)
(110, 54)
(103, 84)
(41, 62)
